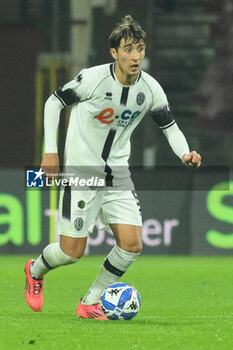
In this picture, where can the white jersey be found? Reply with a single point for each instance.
(104, 115)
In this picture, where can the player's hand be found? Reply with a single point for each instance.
(192, 159)
(50, 164)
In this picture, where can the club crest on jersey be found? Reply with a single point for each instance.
(140, 98)
(126, 118)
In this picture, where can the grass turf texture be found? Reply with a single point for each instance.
(186, 304)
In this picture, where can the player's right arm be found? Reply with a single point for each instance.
(52, 109)
(50, 164)
(77, 90)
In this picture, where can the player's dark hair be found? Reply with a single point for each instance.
(128, 29)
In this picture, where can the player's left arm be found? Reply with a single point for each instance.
(179, 145)
(192, 159)
(176, 139)
(164, 118)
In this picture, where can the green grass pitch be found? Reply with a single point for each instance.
(187, 303)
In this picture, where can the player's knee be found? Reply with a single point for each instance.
(53, 256)
(137, 248)
(134, 248)
(75, 253)
(73, 247)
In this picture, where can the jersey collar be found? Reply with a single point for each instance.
(112, 71)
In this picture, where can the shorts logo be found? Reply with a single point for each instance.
(140, 98)
(81, 204)
(78, 224)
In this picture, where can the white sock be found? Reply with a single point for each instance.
(114, 266)
(51, 258)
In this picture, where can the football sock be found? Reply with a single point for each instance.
(51, 258)
(114, 266)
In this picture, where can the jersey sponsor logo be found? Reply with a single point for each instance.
(126, 118)
(140, 98)
(105, 116)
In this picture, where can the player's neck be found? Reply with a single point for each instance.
(124, 78)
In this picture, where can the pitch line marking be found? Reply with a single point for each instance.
(189, 317)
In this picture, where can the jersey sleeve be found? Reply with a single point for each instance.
(159, 98)
(160, 110)
(75, 91)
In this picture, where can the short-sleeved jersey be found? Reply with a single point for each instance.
(105, 113)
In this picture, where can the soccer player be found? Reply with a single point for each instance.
(108, 102)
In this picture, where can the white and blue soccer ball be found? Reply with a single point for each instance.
(120, 301)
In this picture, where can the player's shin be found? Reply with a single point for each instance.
(114, 266)
(51, 258)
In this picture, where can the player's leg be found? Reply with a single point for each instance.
(117, 262)
(118, 206)
(128, 237)
(129, 245)
(68, 251)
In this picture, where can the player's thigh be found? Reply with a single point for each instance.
(122, 212)
(121, 207)
(77, 215)
(128, 237)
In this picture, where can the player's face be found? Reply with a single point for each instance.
(129, 57)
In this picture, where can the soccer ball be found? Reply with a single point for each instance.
(120, 301)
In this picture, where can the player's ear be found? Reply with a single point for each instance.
(113, 53)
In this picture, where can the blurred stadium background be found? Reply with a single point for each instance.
(45, 43)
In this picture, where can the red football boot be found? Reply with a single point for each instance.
(33, 289)
(90, 311)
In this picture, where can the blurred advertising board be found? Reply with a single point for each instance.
(183, 213)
